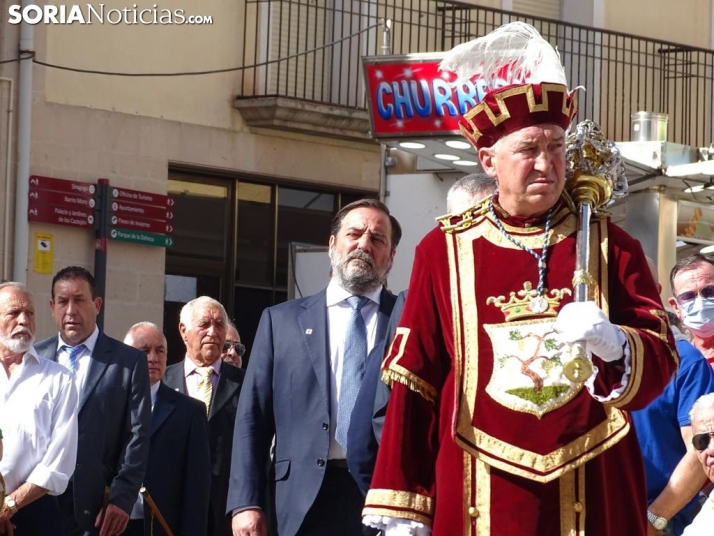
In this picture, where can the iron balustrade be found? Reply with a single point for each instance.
(311, 50)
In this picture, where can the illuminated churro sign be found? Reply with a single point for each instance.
(409, 96)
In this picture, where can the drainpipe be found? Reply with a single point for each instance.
(24, 117)
(6, 270)
(386, 50)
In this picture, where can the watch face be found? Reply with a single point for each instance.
(660, 523)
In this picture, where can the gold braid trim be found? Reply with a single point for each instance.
(401, 504)
(637, 358)
(411, 381)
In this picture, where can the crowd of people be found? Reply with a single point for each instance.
(446, 410)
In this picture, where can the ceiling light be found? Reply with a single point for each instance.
(694, 189)
(446, 157)
(411, 145)
(707, 249)
(466, 163)
(455, 144)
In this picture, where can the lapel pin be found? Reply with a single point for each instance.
(308, 331)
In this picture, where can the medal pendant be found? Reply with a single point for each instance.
(538, 305)
(578, 370)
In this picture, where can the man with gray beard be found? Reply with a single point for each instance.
(38, 420)
(304, 374)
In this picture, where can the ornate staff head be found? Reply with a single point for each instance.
(595, 172)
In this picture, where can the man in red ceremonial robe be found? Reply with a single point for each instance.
(485, 434)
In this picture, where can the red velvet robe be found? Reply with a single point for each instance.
(483, 435)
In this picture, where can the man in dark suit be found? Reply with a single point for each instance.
(371, 405)
(114, 416)
(178, 475)
(202, 376)
(304, 368)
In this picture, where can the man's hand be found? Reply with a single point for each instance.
(651, 531)
(250, 523)
(7, 528)
(5, 514)
(112, 520)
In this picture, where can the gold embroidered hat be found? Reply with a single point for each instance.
(522, 79)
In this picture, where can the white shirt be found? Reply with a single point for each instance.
(38, 419)
(192, 377)
(703, 524)
(137, 511)
(83, 360)
(339, 313)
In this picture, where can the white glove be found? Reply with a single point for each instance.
(584, 322)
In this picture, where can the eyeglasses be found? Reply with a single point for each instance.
(237, 346)
(702, 441)
(707, 293)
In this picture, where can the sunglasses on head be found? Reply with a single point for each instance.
(237, 346)
(707, 293)
(701, 441)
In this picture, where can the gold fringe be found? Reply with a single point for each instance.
(413, 383)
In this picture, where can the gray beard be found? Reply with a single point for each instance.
(357, 283)
(17, 346)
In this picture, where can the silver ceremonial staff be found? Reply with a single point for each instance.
(595, 175)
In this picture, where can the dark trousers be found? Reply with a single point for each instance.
(39, 518)
(66, 505)
(135, 527)
(337, 509)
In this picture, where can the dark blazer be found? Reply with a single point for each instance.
(178, 475)
(362, 440)
(287, 394)
(221, 420)
(114, 423)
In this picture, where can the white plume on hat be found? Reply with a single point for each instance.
(514, 53)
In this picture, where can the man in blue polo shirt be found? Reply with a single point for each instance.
(674, 475)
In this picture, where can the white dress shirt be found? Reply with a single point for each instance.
(192, 377)
(39, 424)
(703, 524)
(339, 313)
(83, 360)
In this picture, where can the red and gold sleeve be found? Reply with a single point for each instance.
(634, 305)
(416, 367)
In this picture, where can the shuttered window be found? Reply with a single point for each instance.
(538, 8)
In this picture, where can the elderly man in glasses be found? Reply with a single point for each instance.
(233, 349)
(702, 416)
(692, 282)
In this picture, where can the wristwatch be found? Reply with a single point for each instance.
(11, 504)
(659, 523)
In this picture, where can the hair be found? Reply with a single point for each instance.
(687, 264)
(367, 203)
(75, 272)
(674, 320)
(129, 337)
(473, 184)
(17, 285)
(703, 402)
(188, 309)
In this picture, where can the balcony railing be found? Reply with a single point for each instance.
(622, 73)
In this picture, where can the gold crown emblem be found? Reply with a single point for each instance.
(528, 302)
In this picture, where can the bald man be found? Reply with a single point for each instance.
(664, 430)
(178, 474)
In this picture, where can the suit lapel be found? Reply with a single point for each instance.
(162, 408)
(101, 357)
(386, 304)
(224, 391)
(48, 348)
(312, 321)
(175, 379)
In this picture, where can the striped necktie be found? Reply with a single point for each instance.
(204, 390)
(73, 352)
(355, 356)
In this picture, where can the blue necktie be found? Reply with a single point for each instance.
(355, 356)
(74, 352)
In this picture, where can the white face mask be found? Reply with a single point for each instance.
(699, 317)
